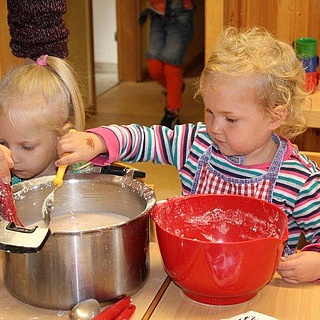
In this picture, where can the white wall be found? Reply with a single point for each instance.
(104, 30)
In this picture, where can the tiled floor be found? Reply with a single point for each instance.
(143, 102)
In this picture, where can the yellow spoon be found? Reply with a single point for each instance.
(57, 182)
(48, 201)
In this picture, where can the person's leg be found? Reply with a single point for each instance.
(173, 76)
(174, 80)
(155, 44)
(156, 71)
(178, 29)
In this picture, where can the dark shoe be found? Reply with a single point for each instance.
(170, 119)
(164, 92)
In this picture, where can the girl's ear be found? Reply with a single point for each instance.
(65, 129)
(278, 117)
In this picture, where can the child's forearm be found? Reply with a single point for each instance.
(108, 146)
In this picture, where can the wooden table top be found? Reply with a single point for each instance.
(278, 299)
(161, 299)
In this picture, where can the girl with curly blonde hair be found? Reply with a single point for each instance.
(252, 88)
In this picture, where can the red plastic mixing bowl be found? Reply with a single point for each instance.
(220, 249)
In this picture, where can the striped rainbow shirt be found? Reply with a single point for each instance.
(297, 189)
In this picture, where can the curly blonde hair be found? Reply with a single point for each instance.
(279, 75)
(47, 94)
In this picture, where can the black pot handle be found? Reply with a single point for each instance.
(122, 171)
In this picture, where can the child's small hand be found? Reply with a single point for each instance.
(6, 162)
(82, 146)
(300, 267)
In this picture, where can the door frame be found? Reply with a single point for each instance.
(129, 40)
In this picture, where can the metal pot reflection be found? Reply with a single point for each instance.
(74, 265)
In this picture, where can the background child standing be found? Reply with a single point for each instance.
(171, 29)
(39, 102)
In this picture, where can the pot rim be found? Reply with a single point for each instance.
(148, 193)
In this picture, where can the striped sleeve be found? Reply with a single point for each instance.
(307, 208)
(297, 192)
(158, 144)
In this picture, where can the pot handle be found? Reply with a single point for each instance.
(122, 171)
(21, 240)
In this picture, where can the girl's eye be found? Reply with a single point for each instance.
(209, 111)
(4, 143)
(27, 148)
(231, 120)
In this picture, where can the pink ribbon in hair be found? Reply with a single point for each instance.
(42, 61)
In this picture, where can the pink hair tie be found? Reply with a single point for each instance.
(42, 61)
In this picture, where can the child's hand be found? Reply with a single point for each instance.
(6, 162)
(82, 146)
(300, 267)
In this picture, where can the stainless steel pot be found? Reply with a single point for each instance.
(72, 266)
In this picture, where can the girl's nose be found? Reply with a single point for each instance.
(15, 157)
(215, 127)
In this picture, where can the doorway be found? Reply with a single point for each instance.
(116, 29)
(105, 45)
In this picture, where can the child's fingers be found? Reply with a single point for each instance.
(6, 163)
(67, 160)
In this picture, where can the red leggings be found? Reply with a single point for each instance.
(170, 77)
